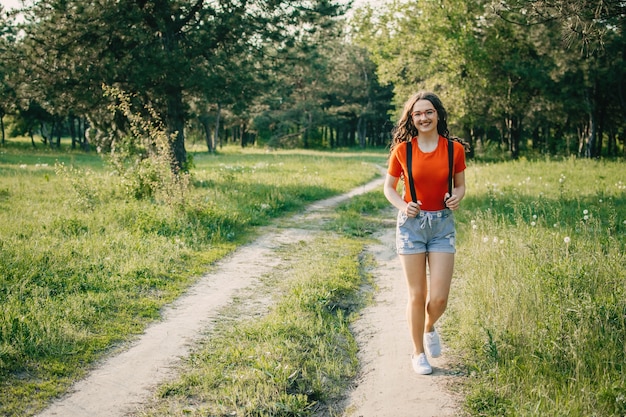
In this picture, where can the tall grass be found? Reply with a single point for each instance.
(295, 359)
(84, 267)
(540, 299)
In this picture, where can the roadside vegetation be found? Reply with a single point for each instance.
(297, 357)
(538, 314)
(539, 309)
(84, 266)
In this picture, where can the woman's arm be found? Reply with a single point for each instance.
(458, 192)
(390, 189)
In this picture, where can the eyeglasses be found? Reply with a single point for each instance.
(428, 113)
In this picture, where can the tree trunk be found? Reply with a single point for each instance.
(176, 126)
(591, 139)
(2, 125)
(362, 131)
(32, 137)
(71, 120)
(516, 134)
(204, 122)
(83, 133)
(217, 125)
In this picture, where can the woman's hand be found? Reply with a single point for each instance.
(452, 201)
(412, 209)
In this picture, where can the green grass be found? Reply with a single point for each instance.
(540, 297)
(294, 360)
(538, 309)
(83, 267)
(299, 357)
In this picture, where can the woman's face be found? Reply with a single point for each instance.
(424, 116)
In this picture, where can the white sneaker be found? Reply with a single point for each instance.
(432, 346)
(421, 365)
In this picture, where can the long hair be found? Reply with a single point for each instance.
(405, 130)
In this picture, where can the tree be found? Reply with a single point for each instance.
(595, 30)
(164, 51)
(7, 68)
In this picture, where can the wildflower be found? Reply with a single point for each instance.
(474, 227)
(535, 216)
(486, 239)
(585, 211)
(567, 239)
(495, 239)
(533, 224)
(23, 166)
(586, 217)
(555, 225)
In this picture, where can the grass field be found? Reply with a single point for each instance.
(83, 267)
(538, 314)
(540, 303)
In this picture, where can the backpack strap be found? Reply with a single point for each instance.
(450, 165)
(409, 167)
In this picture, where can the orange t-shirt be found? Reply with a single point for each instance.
(430, 171)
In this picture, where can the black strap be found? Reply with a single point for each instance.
(450, 165)
(409, 167)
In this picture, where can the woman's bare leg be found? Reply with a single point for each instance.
(414, 267)
(441, 267)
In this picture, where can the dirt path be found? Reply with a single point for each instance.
(387, 387)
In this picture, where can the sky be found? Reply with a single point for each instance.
(10, 4)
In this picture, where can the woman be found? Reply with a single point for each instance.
(425, 232)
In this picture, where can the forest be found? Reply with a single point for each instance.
(518, 77)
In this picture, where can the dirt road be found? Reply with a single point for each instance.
(387, 386)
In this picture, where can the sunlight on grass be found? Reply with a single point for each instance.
(540, 300)
(84, 267)
(293, 360)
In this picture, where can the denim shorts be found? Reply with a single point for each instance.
(430, 231)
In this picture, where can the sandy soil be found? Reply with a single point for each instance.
(387, 385)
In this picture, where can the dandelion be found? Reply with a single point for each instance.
(600, 200)
(555, 225)
(585, 211)
(535, 216)
(474, 227)
(495, 239)
(567, 240)
(533, 224)
(586, 217)
(485, 239)
(23, 166)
